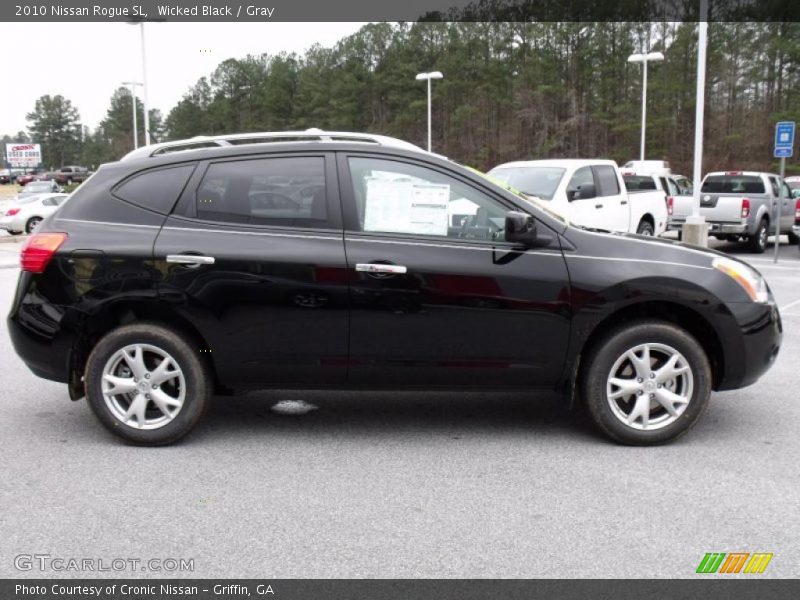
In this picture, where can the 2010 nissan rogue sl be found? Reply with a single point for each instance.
(343, 260)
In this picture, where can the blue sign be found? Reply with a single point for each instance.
(784, 139)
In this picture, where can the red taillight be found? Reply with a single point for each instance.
(39, 249)
(797, 212)
(11, 212)
(745, 208)
(670, 205)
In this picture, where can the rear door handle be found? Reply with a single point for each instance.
(623, 202)
(381, 268)
(190, 259)
(598, 206)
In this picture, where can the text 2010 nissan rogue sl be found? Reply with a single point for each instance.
(342, 260)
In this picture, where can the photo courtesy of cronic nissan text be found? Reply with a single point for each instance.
(432, 300)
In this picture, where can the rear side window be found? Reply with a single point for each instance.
(272, 191)
(733, 184)
(155, 190)
(607, 180)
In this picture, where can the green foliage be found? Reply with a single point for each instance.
(512, 90)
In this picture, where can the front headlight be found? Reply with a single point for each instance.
(751, 282)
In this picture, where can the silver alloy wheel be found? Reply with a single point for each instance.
(650, 386)
(33, 224)
(763, 236)
(143, 386)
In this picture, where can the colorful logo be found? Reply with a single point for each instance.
(734, 562)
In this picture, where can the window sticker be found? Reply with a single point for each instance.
(406, 207)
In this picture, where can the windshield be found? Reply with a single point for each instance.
(506, 186)
(533, 181)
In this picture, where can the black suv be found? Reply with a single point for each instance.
(312, 259)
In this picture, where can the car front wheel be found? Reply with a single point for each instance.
(147, 384)
(646, 383)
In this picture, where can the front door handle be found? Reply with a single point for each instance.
(624, 202)
(381, 268)
(190, 259)
(598, 206)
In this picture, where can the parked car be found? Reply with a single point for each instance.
(27, 177)
(678, 195)
(25, 215)
(180, 271)
(72, 174)
(738, 205)
(40, 187)
(589, 193)
(9, 175)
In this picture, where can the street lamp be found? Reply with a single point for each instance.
(644, 59)
(133, 85)
(428, 77)
(144, 84)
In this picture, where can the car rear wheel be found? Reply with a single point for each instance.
(757, 243)
(645, 228)
(32, 224)
(147, 384)
(646, 383)
(793, 239)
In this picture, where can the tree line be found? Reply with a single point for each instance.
(511, 90)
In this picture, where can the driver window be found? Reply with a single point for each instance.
(582, 177)
(397, 197)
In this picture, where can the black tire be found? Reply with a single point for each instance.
(793, 239)
(757, 243)
(680, 235)
(602, 358)
(196, 373)
(14, 232)
(645, 228)
(32, 224)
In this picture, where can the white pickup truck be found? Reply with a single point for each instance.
(677, 188)
(588, 192)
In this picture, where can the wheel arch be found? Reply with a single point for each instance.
(114, 315)
(658, 310)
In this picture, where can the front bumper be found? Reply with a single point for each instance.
(751, 353)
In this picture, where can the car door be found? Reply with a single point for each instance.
(437, 297)
(253, 257)
(787, 208)
(616, 211)
(583, 205)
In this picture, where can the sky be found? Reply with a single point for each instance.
(86, 62)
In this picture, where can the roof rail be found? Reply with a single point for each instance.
(238, 139)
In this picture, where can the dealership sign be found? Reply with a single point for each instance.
(23, 155)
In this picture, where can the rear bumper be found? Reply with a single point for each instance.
(738, 228)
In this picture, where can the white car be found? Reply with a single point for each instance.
(589, 193)
(24, 214)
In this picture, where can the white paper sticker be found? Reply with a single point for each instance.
(406, 207)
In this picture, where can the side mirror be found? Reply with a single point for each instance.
(520, 228)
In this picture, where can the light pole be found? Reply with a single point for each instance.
(695, 230)
(133, 85)
(144, 84)
(644, 59)
(428, 77)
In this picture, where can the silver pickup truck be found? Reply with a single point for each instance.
(740, 206)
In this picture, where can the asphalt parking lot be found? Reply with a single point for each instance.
(406, 485)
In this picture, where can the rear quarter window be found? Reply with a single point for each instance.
(156, 189)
